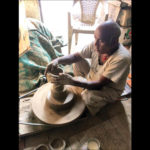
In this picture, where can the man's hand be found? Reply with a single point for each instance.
(63, 79)
(65, 60)
(51, 66)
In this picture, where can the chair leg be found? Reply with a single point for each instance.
(76, 38)
(69, 42)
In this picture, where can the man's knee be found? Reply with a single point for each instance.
(92, 102)
(81, 68)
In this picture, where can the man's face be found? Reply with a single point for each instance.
(100, 47)
(98, 42)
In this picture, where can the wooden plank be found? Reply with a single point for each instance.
(26, 116)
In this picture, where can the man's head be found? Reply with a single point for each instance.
(107, 38)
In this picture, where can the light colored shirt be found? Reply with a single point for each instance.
(116, 68)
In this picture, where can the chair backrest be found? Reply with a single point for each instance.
(88, 10)
(113, 9)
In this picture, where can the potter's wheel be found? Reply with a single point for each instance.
(56, 104)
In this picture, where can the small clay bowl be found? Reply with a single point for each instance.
(57, 144)
(93, 144)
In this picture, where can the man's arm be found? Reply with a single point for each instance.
(92, 85)
(66, 79)
(72, 58)
(65, 60)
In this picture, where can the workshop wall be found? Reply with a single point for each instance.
(24, 43)
(32, 9)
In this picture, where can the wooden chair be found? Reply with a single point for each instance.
(84, 20)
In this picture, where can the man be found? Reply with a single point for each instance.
(106, 76)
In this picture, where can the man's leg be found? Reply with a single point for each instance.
(93, 101)
(81, 68)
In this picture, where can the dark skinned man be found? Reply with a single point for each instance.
(104, 79)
